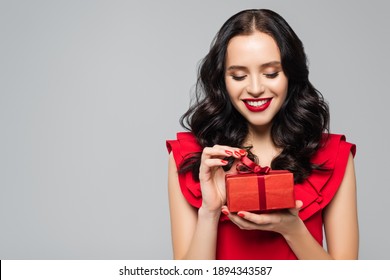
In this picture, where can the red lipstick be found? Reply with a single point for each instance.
(257, 104)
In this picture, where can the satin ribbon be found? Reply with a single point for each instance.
(248, 166)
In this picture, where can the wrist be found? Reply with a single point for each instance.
(205, 213)
(295, 231)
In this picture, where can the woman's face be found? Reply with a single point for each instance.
(254, 78)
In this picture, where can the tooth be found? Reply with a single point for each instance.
(257, 103)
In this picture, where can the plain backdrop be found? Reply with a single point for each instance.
(90, 91)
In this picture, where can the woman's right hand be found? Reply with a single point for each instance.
(212, 176)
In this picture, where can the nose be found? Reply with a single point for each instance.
(255, 86)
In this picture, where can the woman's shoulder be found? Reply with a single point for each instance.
(185, 143)
(320, 187)
(333, 146)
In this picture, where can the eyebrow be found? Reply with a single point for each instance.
(265, 65)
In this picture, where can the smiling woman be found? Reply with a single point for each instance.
(255, 101)
(254, 78)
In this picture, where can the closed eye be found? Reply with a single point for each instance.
(238, 78)
(272, 75)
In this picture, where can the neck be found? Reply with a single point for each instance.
(263, 145)
(259, 135)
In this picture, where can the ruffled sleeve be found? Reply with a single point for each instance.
(320, 187)
(184, 145)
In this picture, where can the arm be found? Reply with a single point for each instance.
(340, 220)
(194, 232)
(340, 223)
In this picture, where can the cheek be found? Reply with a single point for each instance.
(232, 89)
(280, 87)
(234, 94)
(285, 89)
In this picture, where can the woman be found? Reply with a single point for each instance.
(254, 98)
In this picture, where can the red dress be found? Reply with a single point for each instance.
(315, 192)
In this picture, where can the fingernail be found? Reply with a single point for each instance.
(228, 152)
(226, 212)
(241, 215)
(237, 153)
(242, 152)
(224, 161)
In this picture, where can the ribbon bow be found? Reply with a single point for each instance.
(248, 166)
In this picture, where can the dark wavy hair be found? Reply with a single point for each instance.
(300, 125)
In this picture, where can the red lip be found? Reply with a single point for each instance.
(257, 108)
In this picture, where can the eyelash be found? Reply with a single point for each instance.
(238, 78)
(272, 75)
(269, 76)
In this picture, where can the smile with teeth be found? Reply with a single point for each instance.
(257, 105)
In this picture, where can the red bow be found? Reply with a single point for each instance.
(248, 166)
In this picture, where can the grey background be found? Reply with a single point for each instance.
(90, 91)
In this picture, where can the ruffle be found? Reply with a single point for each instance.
(315, 192)
(184, 145)
(320, 187)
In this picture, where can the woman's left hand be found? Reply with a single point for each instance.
(283, 222)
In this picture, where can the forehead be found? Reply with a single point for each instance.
(256, 48)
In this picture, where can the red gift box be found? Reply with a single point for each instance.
(259, 189)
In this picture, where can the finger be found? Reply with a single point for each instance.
(298, 206)
(236, 152)
(214, 162)
(259, 219)
(242, 223)
(222, 151)
(216, 151)
(208, 167)
(225, 211)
